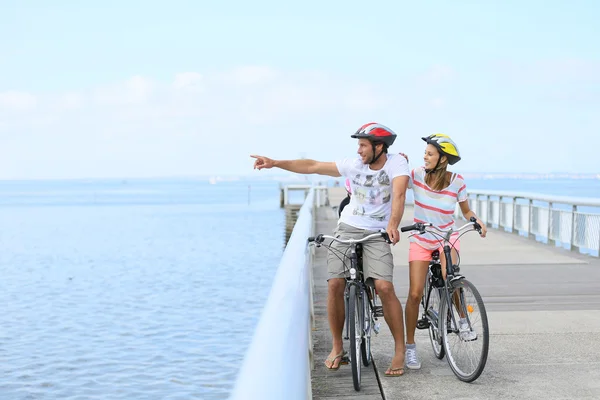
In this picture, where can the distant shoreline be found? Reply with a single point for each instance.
(308, 178)
(466, 175)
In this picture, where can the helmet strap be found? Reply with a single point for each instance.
(428, 171)
(375, 158)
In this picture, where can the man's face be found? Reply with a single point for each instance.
(365, 150)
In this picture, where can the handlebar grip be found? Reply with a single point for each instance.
(408, 228)
(386, 237)
(475, 224)
(318, 239)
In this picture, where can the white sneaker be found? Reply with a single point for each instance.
(412, 361)
(466, 333)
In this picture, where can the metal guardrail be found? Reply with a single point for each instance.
(278, 362)
(556, 220)
(286, 190)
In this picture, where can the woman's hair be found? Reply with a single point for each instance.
(438, 179)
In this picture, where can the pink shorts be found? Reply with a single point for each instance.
(419, 253)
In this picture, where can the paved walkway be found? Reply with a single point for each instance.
(543, 308)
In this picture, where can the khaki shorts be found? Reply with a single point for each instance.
(377, 255)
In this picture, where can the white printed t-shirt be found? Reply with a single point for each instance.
(435, 206)
(370, 206)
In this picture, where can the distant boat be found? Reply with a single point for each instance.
(212, 180)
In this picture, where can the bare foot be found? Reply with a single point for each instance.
(397, 367)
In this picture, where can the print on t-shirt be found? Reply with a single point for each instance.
(374, 190)
(371, 202)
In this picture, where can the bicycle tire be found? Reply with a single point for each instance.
(365, 346)
(484, 334)
(353, 319)
(437, 345)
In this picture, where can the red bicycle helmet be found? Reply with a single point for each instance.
(376, 133)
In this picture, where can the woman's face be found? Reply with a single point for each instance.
(431, 156)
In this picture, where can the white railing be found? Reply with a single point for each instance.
(320, 193)
(557, 220)
(278, 362)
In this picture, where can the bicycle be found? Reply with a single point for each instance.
(361, 302)
(437, 313)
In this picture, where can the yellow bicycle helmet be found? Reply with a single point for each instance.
(445, 145)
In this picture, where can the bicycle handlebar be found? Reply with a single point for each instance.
(422, 227)
(320, 238)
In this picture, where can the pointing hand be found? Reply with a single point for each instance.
(262, 162)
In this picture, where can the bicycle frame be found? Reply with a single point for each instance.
(452, 314)
(365, 293)
(451, 269)
(355, 279)
(362, 314)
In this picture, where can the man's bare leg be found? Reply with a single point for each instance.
(392, 311)
(336, 316)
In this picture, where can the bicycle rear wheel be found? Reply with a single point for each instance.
(466, 345)
(433, 312)
(355, 334)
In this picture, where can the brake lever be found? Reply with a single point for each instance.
(385, 236)
(475, 224)
(421, 227)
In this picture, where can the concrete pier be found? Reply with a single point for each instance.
(543, 308)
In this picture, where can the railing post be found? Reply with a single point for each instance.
(515, 206)
(599, 242)
(573, 228)
(550, 241)
(514, 214)
(530, 219)
(500, 212)
(490, 220)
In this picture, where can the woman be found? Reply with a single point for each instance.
(436, 192)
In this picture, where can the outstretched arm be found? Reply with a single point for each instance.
(303, 166)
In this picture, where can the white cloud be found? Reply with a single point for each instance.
(553, 71)
(438, 102)
(17, 101)
(252, 75)
(198, 122)
(438, 74)
(71, 101)
(142, 126)
(187, 80)
(135, 90)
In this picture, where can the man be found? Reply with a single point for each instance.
(378, 182)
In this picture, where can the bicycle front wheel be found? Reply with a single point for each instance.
(354, 334)
(466, 344)
(365, 347)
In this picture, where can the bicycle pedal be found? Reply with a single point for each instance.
(377, 328)
(378, 311)
(423, 323)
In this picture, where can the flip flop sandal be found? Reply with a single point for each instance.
(395, 370)
(332, 361)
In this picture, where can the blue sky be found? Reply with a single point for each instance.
(146, 88)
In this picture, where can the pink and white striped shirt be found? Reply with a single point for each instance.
(435, 206)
